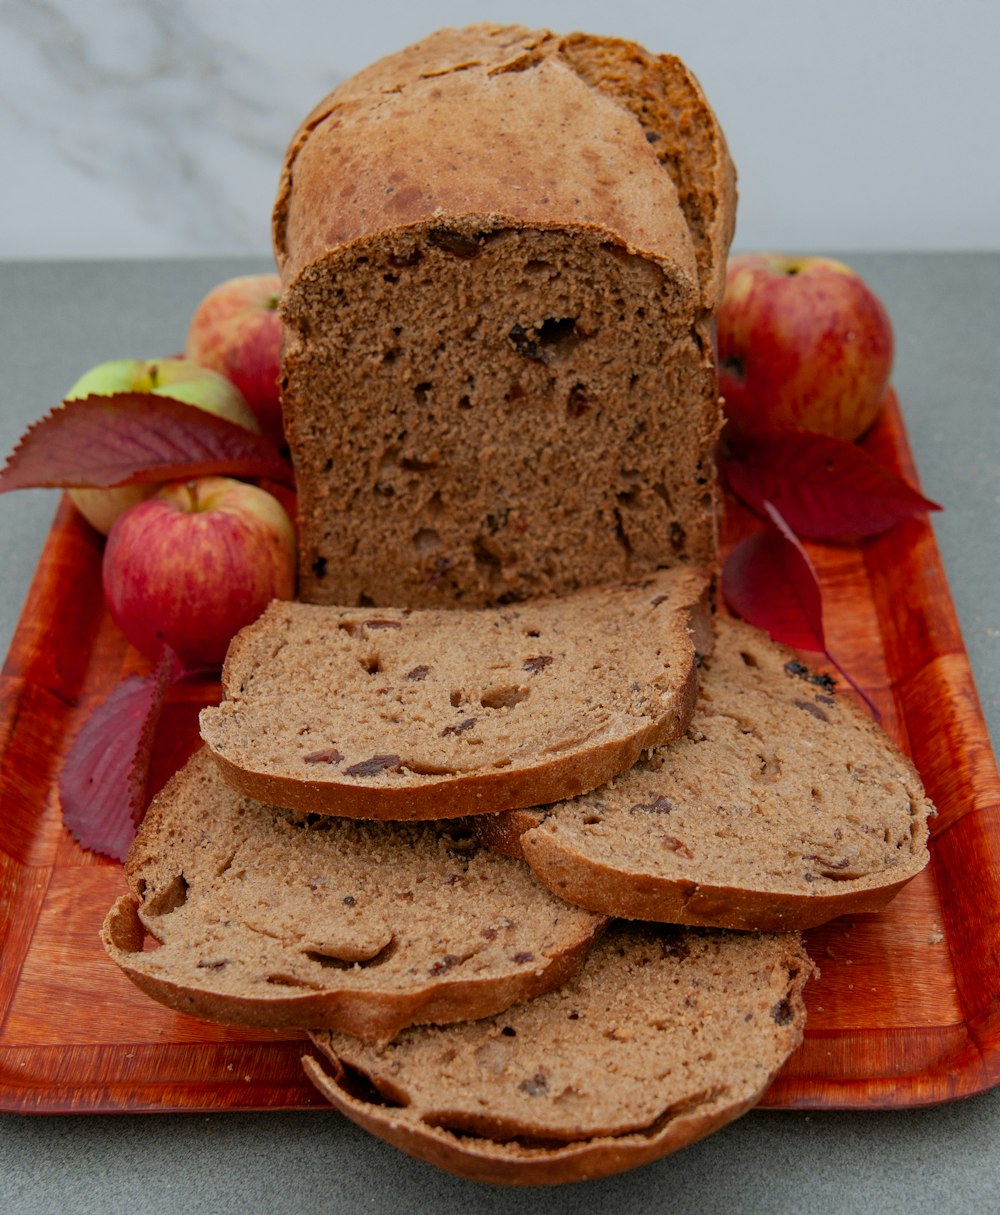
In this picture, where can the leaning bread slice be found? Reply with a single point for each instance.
(665, 1035)
(782, 807)
(392, 714)
(266, 919)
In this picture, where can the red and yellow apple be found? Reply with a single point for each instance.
(236, 331)
(196, 562)
(803, 344)
(169, 377)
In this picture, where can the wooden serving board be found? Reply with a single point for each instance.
(905, 1012)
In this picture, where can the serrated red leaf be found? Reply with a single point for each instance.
(102, 786)
(824, 488)
(769, 581)
(132, 438)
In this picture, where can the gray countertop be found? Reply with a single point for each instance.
(60, 318)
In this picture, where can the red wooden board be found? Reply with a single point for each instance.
(906, 1010)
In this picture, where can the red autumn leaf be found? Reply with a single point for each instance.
(131, 438)
(769, 581)
(825, 488)
(102, 785)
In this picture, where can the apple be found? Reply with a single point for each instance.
(236, 330)
(196, 562)
(803, 344)
(170, 377)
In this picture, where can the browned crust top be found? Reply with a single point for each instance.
(471, 127)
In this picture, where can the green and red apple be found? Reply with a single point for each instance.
(236, 330)
(803, 344)
(170, 377)
(190, 566)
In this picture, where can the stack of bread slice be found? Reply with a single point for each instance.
(501, 814)
(445, 948)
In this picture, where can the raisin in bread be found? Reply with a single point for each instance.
(665, 1035)
(396, 714)
(263, 918)
(782, 807)
(501, 251)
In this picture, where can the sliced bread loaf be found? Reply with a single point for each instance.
(433, 714)
(266, 919)
(782, 807)
(665, 1035)
(500, 252)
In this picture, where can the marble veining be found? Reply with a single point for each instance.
(167, 135)
(158, 127)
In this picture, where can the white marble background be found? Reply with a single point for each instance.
(156, 127)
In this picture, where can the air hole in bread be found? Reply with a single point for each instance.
(425, 769)
(678, 537)
(577, 402)
(282, 980)
(330, 961)
(372, 663)
(426, 540)
(458, 244)
(504, 698)
(484, 557)
(359, 1085)
(404, 260)
(168, 898)
(622, 537)
(557, 331)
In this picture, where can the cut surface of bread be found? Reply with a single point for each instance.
(387, 713)
(782, 807)
(265, 919)
(664, 1035)
(500, 253)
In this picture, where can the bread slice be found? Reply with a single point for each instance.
(431, 714)
(501, 251)
(782, 807)
(665, 1035)
(266, 919)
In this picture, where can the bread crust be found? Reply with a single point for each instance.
(530, 79)
(510, 1163)
(263, 920)
(351, 1012)
(676, 885)
(492, 1145)
(502, 249)
(680, 596)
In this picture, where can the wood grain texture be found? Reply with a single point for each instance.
(905, 1012)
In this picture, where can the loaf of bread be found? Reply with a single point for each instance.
(398, 714)
(263, 918)
(665, 1035)
(501, 251)
(783, 807)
